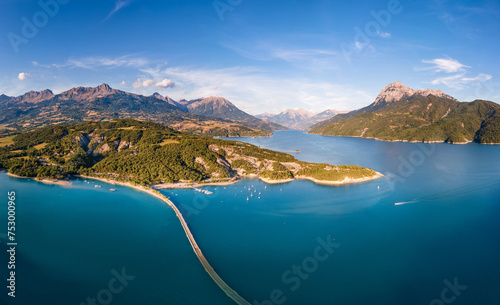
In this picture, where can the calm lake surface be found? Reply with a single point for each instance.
(270, 242)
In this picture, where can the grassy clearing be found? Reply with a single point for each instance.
(131, 127)
(6, 141)
(165, 142)
(41, 146)
(4, 126)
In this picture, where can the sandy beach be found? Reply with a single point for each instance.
(45, 180)
(185, 185)
(345, 181)
(271, 181)
(114, 182)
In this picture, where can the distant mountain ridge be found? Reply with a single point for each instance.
(291, 117)
(298, 118)
(418, 116)
(35, 109)
(319, 117)
(30, 97)
(219, 107)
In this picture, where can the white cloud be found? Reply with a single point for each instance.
(123, 83)
(143, 84)
(458, 81)
(23, 76)
(448, 65)
(118, 6)
(263, 92)
(166, 83)
(384, 34)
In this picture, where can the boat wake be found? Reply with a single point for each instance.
(405, 202)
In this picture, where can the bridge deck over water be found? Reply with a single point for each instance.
(217, 279)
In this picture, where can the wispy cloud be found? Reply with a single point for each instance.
(459, 81)
(303, 58)
(98, 62)
(255, 91)
(118, 6)
(448, 65)
(292, 55)
(384, 34)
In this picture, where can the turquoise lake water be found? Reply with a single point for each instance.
(271, 249)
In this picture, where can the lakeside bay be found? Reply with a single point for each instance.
(393, 254)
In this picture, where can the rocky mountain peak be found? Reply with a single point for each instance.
(104, 88)
(168, 100)
(217, 99)
(85, 93)
(35, 96)
(397, 91)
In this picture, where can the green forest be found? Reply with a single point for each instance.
(147, 153)
(422, 119)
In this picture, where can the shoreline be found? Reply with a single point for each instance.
(208, 268)
(188, 185)
(405, 141)
(192, 185)
(271, 181)
(206, 265)
(342, 182)
(45, 180)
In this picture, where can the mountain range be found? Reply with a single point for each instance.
(404, 114)
(298, 118)
(214, 116)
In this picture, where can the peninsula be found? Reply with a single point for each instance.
(150, 154)
(146, 155)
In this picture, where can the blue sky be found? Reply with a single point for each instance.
(261, 55)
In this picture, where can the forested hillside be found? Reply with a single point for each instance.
(149, 153)
(422, 119)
